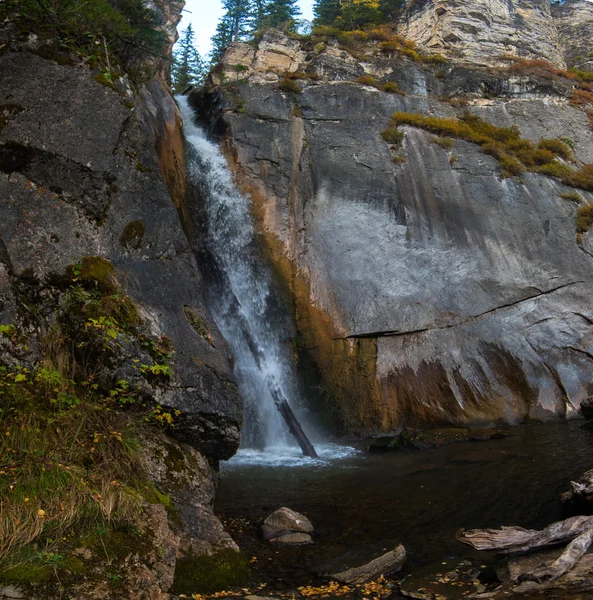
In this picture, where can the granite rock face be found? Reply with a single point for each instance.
(432, 291)
(574, 22)
(483, 31)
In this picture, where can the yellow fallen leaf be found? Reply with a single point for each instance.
(41, 513)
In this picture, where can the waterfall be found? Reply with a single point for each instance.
(245, 304)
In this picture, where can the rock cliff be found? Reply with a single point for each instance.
(574, 22)
(91, 197)
(426, 287)
(482, 31)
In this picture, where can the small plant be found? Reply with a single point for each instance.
(289, 86)
(584, 218)
(392, 135)
(556, 146)
(367, 80)
(399, 159)
(132, 235)
(446, 143)
(572, 197)
(391, 87)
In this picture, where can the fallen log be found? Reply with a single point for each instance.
(581, 490)
(516, 540)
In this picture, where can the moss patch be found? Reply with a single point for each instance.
(132, 235)
(198, 324)
(208, 574)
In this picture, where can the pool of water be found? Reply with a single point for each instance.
(361, 502)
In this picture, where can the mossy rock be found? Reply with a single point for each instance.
(209, 574)
(94, 269)
(27, 573)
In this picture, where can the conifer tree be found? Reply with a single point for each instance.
(222, 39)
(234, 26)
(282, 13)
(327, 11)
(259, 14)
(188, 67)
(238, 14)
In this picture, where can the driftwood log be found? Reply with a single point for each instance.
(516, 540)
(581, 490)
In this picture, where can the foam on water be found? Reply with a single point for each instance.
(290, 456)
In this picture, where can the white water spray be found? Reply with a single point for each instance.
(245, 307)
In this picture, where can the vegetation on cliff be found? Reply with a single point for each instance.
(102, 30)
(514, 153)
(353, 14)
(72, 421)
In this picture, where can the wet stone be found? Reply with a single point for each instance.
(286, 521)
(292, 539)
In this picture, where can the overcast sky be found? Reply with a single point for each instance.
(204, 15)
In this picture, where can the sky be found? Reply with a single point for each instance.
(204, 15)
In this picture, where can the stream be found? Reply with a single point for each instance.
(362, 503)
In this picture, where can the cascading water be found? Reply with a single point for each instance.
(244, 304)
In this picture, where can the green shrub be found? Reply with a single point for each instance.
(434, 59)
(367, 80)
(129, 29)
(584, 218)
(446, 143)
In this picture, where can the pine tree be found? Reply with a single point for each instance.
(327, 11)
(188, 67)
(282, 13)
(222, 39)
(234, 26)
(239, 14)
(356, 13)
(259, 14)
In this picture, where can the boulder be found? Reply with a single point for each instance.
(283, 522)
(390, 562)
